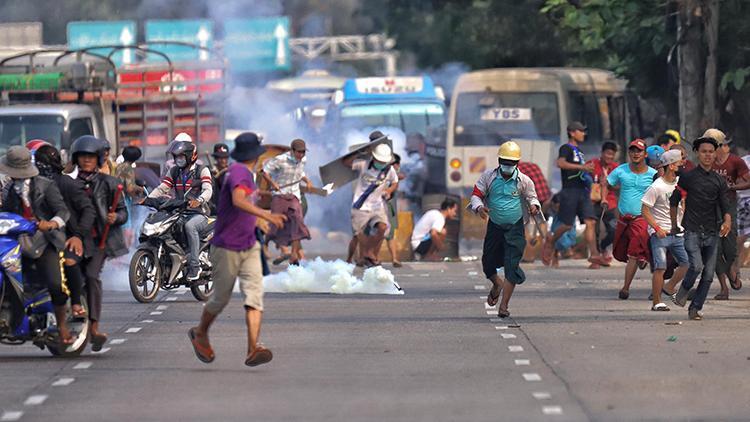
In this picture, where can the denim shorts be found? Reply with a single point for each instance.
(674, 244)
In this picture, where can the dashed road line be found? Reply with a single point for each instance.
(494, 312)
(147, 321)
(83, 365)
(473, 273)
(515, 349)
(501, 327)
(532, 376)
(104, 350)
(35, 400)
(180, 292)
(62, 382)
(132, 330)
(478, 287)
(118, 341)
(522, 362)
(171, 299)
(487, 306)
(162, 307)
(11, 415)
(541, 395)
(156, 313)
(507, 335)
(552, 410)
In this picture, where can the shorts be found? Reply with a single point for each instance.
(631, 239)
(364, 222)
(227, 267)
(743, 216)
(423, 247)
(575, 202)
(674, 244)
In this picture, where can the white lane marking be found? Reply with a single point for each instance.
(541, 395)
(83, 365)
(104, 350)
(491, 312)
(171, 299)
(118, 340)
(62, 382)
(523, 362)
(424, 275)
(507, 335)
(478, 287)
(156, 313)
(180, 292)
(501, 327)
(532, 376)
(487, 306)
(473, 273)
(147, 321)
(552, 410)
(515, 349)
(35, 400)
(162, 307)
(496, 320)
(11, 416)
(133, 330)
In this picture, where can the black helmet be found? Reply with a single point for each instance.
(184, 148)
(88, 144)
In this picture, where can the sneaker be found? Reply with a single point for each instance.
(194, 273)
(680, 298)
(695, 314)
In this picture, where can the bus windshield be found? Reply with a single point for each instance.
(482, 117)
(17, 130)
(424, 118)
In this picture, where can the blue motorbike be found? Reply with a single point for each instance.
(26, 311)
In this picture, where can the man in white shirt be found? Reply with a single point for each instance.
(377, 181)
(664, 236)
(428, 236)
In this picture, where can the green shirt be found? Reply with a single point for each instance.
(504, 200)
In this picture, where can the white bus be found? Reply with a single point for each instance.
(533, 106)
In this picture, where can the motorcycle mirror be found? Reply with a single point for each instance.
(140, 182)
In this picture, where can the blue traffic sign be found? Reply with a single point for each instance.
(93, 33)
(198, 32)
(257, 44)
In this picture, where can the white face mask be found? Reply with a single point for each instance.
(507, 169)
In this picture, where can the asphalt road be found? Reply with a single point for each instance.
(571, 351)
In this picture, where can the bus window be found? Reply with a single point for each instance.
(19, 129)
(422, 118)
(483, 117)
(80, 127)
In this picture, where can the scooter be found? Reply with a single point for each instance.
(26, 311)
(161, 259)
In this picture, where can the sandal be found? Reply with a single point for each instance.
(97, 341)
(203, 353)
(722, 296)
(624, 294)
(503, 313)
(660, 307)
(397, 264)
(259, 356)
(281, 259)
(736, 283)
(78, 312)
(492, 299)
(666, 292)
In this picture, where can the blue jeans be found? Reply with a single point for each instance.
(674, 244)
(701, 249)
(193, 229)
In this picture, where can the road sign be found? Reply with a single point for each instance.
(21, 34)
(257, 44)
(92, 33)
(199, 32)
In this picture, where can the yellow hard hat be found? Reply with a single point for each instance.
(509, 151)
(674, 135)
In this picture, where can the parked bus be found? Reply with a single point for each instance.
(412, 105)
(533, 106)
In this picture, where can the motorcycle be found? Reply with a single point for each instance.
(26, 311)
(160, 260)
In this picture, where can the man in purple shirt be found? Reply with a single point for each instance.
(235, 252)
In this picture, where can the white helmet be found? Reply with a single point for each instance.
(183, 137)
(383, 153)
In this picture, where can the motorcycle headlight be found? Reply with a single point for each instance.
(153, 229)
(12, 260)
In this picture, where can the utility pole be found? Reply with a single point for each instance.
(691, 68)
(711, 87)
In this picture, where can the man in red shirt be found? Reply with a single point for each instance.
(540, 182)
(604, 200)
(735, 172)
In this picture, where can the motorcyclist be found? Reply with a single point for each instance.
(82, 215)
(87, 155)
(38, 199)
(192, 182)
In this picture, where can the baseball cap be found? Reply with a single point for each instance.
(221, 151)
(298, 145)
(717, 136)
(638, 143)
(670, 157)
(573, 126)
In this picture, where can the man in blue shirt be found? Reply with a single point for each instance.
(507, 197)
(631, 235)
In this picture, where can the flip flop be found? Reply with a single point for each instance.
(503, 313)
(97, 341)
(79, 313)
(722, 296)
(204, 354)
(492, 300)
(736, 283)
(397, 264)
(259, 356)
(280, 259)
